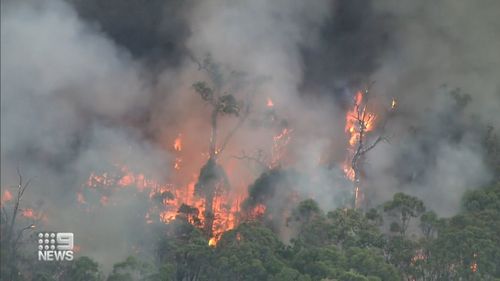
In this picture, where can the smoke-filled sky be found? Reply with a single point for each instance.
(87, 84)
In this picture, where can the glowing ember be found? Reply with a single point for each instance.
(28, 213)
(177, 163)
(126, 180)
(212, 242)
(104, 200)
(419, 256)
(280, 142)
(80, 198)
(33, 215)
(473, 266)
(258, 211)
(7, 196)
(178, 143)
(270, 102)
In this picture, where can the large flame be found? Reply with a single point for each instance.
(175, 196)
(359, 121)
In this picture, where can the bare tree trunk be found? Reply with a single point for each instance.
(209, 213)
(211, 185)
(363, 118)
(213, 135)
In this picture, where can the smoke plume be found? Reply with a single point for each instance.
(93, 86)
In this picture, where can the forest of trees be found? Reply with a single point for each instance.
(400, 240)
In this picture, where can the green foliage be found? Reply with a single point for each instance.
(352, 276)
(223, 103)
(306, 210)
(250, 252)
(206, 93)
(482, 199)
(344, 244)
(404, 207)
(161, 197)
(289, 274)
(400, 252)
(210, 174)
(370, 262)
(227, 104)
(491, 144)
(351, 228)
(132, 270)
(319, 262)
(429, 223)
(264, 187)
(84, 269)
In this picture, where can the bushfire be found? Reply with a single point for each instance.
(358, 122)
(170, 200)
(177, 197)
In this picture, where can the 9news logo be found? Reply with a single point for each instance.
(55, 246)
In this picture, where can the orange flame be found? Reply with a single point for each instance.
(357, 119)
(358, 122)
(473, 266)
(178, 143)
(212, 242)
(258, 211)
(172, 198)
(280, 142)
(175, 197)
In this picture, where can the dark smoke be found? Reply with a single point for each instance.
(88, 84)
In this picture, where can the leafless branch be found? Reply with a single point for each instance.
(362, 118)
(259, 159)
(4, 212)
(231, 133)
(20, 234)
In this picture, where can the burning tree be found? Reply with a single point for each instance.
(212, 179)
(360, 123)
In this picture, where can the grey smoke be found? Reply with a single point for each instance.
(85, 87)
(67, 95)
(437, 47)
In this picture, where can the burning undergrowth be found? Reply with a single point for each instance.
(232, 132)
